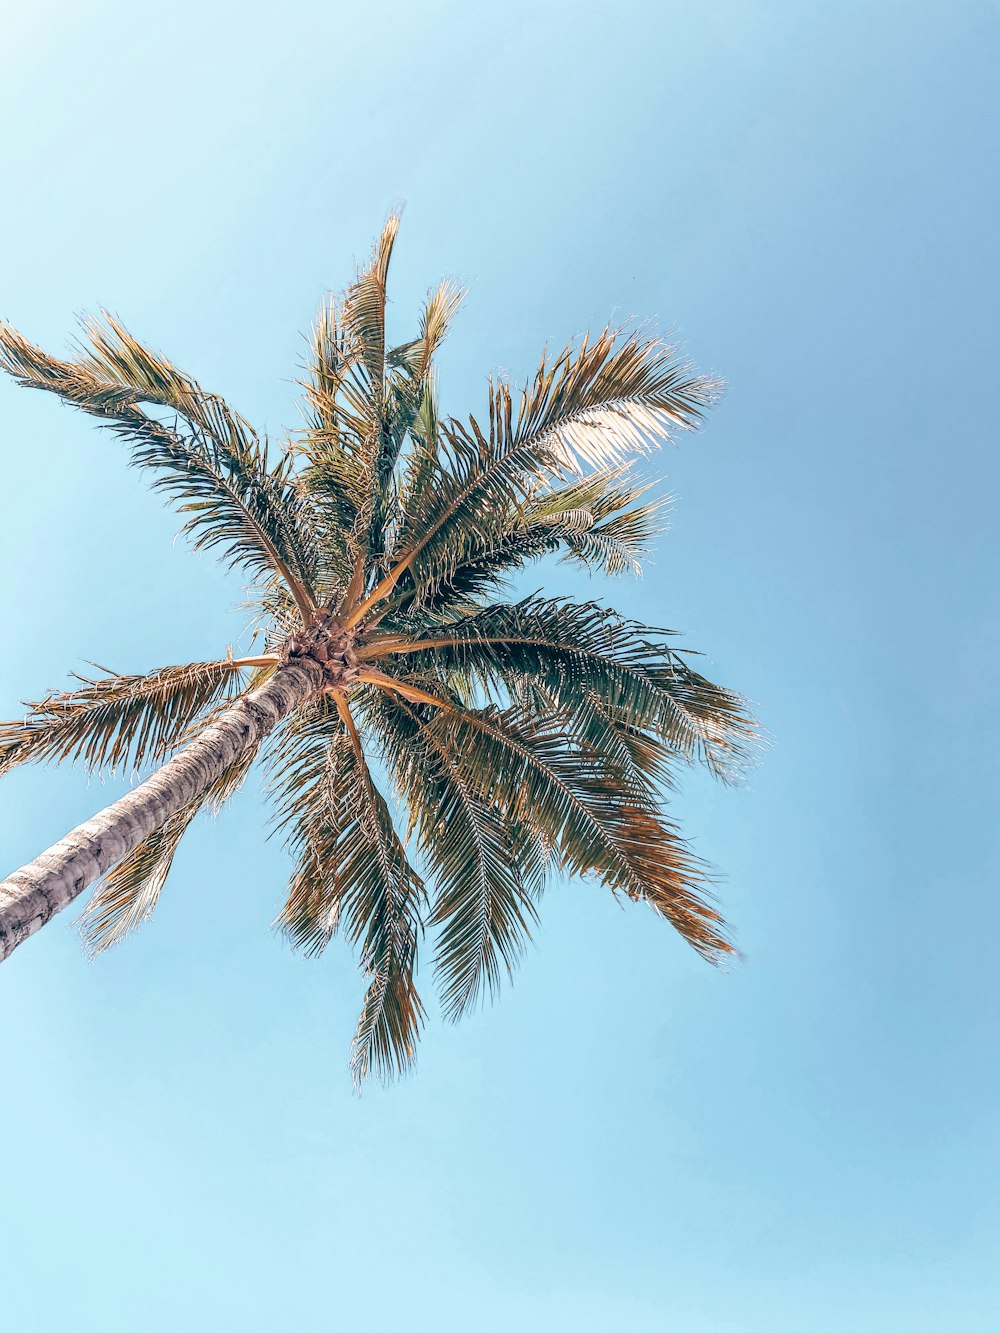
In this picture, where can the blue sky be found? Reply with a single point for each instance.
(629, 1139)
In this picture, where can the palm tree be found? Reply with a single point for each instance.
(519, 736)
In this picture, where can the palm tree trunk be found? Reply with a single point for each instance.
(33, 894)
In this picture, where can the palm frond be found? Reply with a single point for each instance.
(596, 522)
(439, 310)
(206, 459)
(582, 649)
(595, 406)
(648, 762)
(488, 870)
(352, 869)
(606, 400)
(600, 522)
(365, 300)
(118, 722)
(305, 762)
(598, 822)
(360, 413)
(113, 356)
(383, 915)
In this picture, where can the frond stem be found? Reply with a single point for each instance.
(347, 717)
(411, 692)
(265, 659)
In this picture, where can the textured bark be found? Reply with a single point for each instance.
(33, 894)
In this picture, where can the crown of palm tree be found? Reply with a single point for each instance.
(520, 737)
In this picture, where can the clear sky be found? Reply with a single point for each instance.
(629, 1140)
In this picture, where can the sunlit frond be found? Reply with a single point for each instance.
(364, 301)
(439, 310)
(606, 400)
(594, 406)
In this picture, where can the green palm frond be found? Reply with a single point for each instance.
(600, 522)
(305, 760)
(347, 354)
(439, 310)
(117, 722)
(648, 762)
(361, 409)
(352, 869)
(364, 302)
(580, 649)
(112, 355)
(206, 459)
(596, 522)
(488, 870)
(365, 400)
(594, 406)
(127, 896)
(598, 822)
